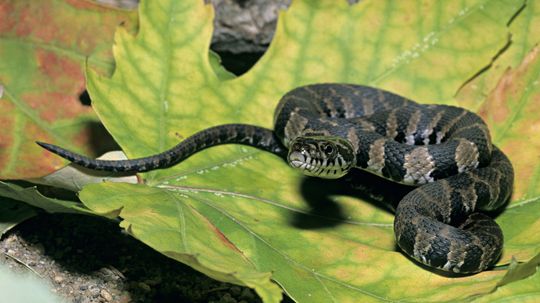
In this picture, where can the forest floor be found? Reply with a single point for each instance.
(88, 260)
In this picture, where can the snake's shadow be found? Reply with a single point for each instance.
(325, 212)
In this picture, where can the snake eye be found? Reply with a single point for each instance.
(297, 147)
(328, 149)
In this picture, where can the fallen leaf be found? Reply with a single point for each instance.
(326, 247)
(44, 47)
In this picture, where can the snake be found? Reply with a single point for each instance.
(458, 177)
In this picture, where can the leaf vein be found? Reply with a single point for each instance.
(285, 257)
(190, 189)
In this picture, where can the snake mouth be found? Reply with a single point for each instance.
(296, 163)
(299, 160)
(306, 164)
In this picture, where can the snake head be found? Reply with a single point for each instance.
(322, 156)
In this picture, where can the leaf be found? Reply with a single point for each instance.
(512, 111)
(524, 33)
(221, 72)
(32, 196)
(183, 233)
(341, 249)
(12, 213)
(43, 48)
(520, 271)
(73, 177)
(525, 290)
(176, 69)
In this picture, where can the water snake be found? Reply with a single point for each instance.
(324, 130)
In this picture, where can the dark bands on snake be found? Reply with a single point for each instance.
(325, 130)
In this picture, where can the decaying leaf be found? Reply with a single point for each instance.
(241, 215)
(44, 47)
(342, 249)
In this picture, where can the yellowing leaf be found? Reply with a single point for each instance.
(172, 92)
(320, 245)
(524, 33)
(175, 228)
(512, 110)
(44, 46)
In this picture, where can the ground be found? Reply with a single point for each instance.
(89, 260)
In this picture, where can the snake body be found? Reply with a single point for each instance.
(325, 130)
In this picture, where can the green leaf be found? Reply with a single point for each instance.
(31, 196)
(183, 233)
(521, 271)
(221, 72)
(44, 46)
(512, 111)
(524, 290)
(165, 88)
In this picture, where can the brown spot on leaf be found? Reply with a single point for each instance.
(7, 24)
(496, 108)
(66, 73)
(86, 5)
(224, 239)
(53, 106)
(25, 25)
(512, 109)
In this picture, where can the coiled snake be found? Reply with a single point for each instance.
(325, 130)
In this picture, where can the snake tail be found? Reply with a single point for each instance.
(244, 134)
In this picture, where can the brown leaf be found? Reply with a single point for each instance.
(44, 46)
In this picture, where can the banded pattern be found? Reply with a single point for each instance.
(392, 136)
(437, 223)
(445, 149)
(325, 130)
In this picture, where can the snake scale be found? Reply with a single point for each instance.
(325, 130)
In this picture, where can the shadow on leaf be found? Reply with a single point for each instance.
(325, 212)
(100, 141)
